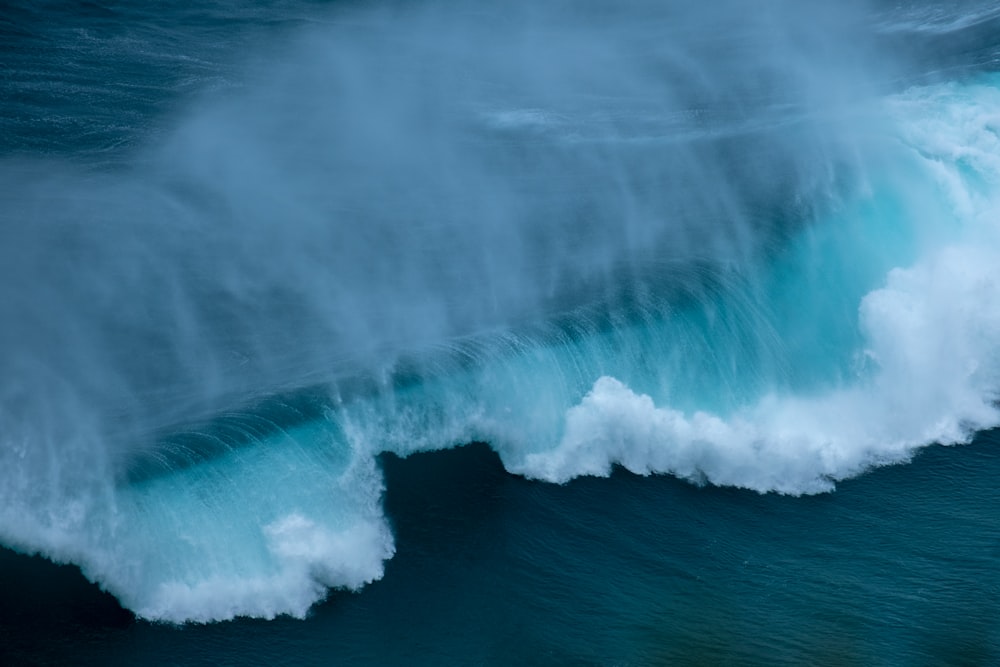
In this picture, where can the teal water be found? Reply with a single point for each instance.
(897, 567)
(716, 300)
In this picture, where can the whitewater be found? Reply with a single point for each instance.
(743, 255)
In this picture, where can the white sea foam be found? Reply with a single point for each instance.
(307, 559)
(261, 531)
(931, 332)
(930, 337)
(266, 527)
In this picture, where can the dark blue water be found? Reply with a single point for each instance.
(709, 288)
(900, 567)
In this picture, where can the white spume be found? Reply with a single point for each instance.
(931, 333)
(267, 529)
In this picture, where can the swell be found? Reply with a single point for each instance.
(823, 362)
(721, 259)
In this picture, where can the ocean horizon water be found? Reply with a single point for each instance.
(448, 332)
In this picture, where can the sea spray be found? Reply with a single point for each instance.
(586, 238)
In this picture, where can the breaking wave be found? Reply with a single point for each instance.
(575, 241)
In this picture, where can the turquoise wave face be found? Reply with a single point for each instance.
(724, 260)
(867, 334)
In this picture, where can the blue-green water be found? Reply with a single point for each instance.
(898, 567)
(709, 286)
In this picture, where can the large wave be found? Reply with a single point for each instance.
(635, 235)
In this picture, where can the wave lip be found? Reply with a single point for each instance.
(266, 528)
(310, 559)
(819, 328)
(928, 363)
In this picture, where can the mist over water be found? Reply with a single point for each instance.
(695, 240)
(400, 176)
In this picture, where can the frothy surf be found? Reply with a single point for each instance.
(839, 319)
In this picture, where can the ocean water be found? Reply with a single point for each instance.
(524, 333)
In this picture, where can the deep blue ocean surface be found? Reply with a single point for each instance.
(899, 567)
(450, 332)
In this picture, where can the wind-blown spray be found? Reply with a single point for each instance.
(630, 233)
